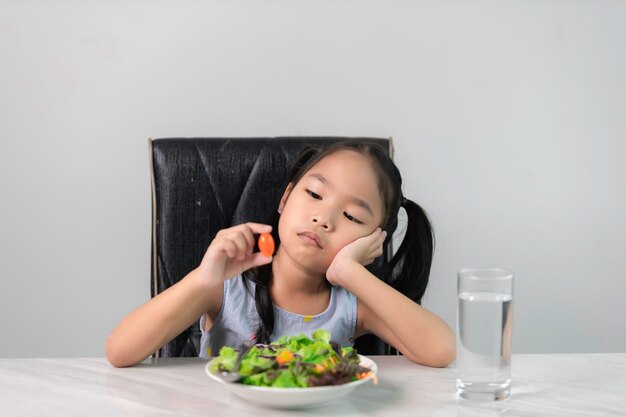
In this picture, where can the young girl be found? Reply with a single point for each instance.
(337, 211)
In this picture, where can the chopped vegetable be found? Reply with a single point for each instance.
(284, 357)
(295, 361)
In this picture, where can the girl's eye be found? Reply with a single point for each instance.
(314, 195)
(352, 219)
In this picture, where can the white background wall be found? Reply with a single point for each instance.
(509, 121)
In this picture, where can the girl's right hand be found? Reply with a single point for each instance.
(230, 253)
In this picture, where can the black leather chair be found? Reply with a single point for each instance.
(202, 185)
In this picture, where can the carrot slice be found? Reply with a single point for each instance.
(284, 357)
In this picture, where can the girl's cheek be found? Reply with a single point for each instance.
(333, 254)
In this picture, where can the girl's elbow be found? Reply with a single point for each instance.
(438, 356)
(445, 352)
(111, 352)
(115, 354)
(445, 356)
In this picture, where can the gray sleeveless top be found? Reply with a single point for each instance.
(238, 319)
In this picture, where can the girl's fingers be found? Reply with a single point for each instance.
(378, 237)
(377, 245)
(243, 238)
(247, 231)
(255, 260)
(230, 248)
(240, 242)
(258, 227)
(372, 238)
(248, 235)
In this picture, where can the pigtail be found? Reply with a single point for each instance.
(415, 253)
(263, 301)
(409, 269)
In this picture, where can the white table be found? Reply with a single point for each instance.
(550, 385)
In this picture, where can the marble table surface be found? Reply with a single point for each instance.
(543, 385)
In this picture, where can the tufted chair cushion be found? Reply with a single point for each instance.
(203, 185)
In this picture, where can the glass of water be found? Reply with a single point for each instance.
(484, 321)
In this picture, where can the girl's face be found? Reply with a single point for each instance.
(336, 202)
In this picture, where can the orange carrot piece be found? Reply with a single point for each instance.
(284, 357)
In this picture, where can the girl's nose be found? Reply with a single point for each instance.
(318, 220)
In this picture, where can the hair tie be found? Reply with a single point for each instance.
(403, 201)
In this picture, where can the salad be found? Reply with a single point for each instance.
(294, 362)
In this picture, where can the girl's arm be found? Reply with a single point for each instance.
(165, 316)
(161, 319)
(419, 334)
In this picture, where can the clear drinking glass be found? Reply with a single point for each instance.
(484, 324)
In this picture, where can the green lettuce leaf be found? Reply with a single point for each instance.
(225, 361)
(321, 335)
(313, 362)
(285, 379)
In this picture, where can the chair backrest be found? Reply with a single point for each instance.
(203, 185)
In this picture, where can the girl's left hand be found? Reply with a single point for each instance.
(362, 251)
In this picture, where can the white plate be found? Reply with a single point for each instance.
(294, 397)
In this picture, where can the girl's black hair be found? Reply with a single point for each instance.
(409, 268)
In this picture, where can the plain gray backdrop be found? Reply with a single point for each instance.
(508, 118)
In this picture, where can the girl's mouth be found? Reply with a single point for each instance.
(311, 238)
